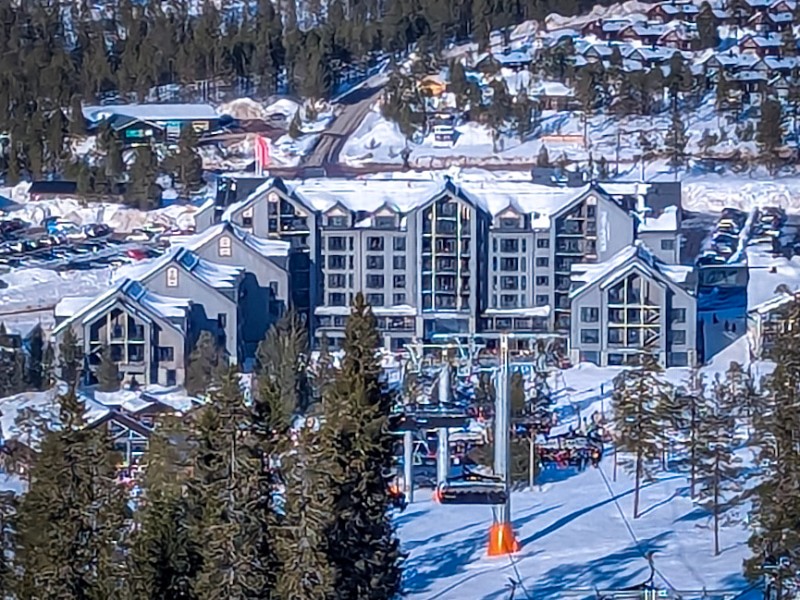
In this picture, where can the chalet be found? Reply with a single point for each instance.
(753, 6)
(783, 6)
(653, 55)
(129, 436)
(552, 95)
(605, 29)
(750, 84)
(680, 38)
(50, 190)
(137, 124)
(665, 12)
(761, 45)
(515, 60)
(643, 32)
(768, 320)
(768, 22)
(784, 66)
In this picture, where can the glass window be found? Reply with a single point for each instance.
(375, 299)
(337, 299)
(616, 360)
(375, 261)
(337, 242)
(542, 299)
(668, 244)
(678, 359)
(615, 336)
(172, 277)
(678, 315)
(509, 245)
(374, 281)
(543, 243)
(542, 280)
(678, 336)
(399, 244)
(590, 336)
(590, 314)
(336, 261)
(337, 281)
(375, 243)
(399, 281)
(399, 262)
(166, 353)
(591, 357)
(542, 261)
(399, 298)
(337, 221)
(384, 222)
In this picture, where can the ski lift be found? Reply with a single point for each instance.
(472, 488)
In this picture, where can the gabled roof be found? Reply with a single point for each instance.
(275, 250)
(151, 112)
(217, 276)
(763, 41)
(775, 303)
(136, 297)
(637, 255)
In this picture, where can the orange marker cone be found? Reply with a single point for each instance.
(502, 540)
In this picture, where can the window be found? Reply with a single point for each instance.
(509, 264)
(591, 211)
(247, 217)
(172, 277)
(590, 314)
(375, 261)
(399, 262)
(542, 261)
(678, 359)
(615, 336)
(668, 244)
(374, 243)
(337, 221)
(225, 246)
(399, 281)
(336, 261)
(591, 357)
(166, 354)
(616, 360)
(375, 299)
(273, 285)
(542, 299)
(384, 222)
(337, 299)
(542, 280)
(543, 243)
(509, 223)
(374, 281)
(399, 298)
(678, 315)
(172, 377)
(678, 336)
(336, 281)
(509, 283)
(509, 245)
(399, 244)
(337, 242)
(590, 336)
(222, 320)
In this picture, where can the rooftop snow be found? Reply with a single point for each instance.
(70, 305)
(773, 303)
(666, 221)
(151, 112)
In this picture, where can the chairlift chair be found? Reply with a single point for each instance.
(472, 488)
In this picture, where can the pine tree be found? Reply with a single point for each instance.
(73, 508)
(225, 498)
(770, 130)
(107, 372)
(522, 115)
(48, 366)
(639, 424)
(13, 174)
(203, 361)
(142, 191)
(77, 123)
(775, 503)
(295, 126)
(8, 514)
(707, 36)
(718, 470)
(543, 159)
(165, 557)
(364, 547)
(70, 358)
(188, 165)
(33, 372)
(676, 140)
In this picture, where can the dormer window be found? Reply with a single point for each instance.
(247, 217)
(337, 221)
(225, 246)
(172, 277)
(384, 222)
(509, 223)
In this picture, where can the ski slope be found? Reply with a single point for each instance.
(574, 540)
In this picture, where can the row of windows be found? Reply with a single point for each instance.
(374, 243)
(341, 299)
(343, 221)
(591, 314)
(619, 335)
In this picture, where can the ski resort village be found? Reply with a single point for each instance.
(436, 300)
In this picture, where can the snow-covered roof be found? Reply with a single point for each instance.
(133, 294)
(151, 112)
(400, 310)
(218, 276)
(778, 63)
(70, 305)
(779, 301)
(537, 311)
(666, 221)
(585, 275)
(764, 41)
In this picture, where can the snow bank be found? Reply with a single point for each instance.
(243, 108)
(32, 290)
(712, 193)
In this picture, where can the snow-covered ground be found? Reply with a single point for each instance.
(33, 290)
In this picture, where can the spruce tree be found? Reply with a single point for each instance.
(770, 130)
(543, 158)
(8, 515)
(707, 36)
(33, 372)
(71, 520)
(676, 140)
(142, 191)
(165, 558)
(107, 372)
(70, 358)
(639, 424)
(77, 123)
(188, 166)
(225, 498)
(364, 548)
(203, 361)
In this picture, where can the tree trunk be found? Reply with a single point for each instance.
(637, 484)
(693, 454)
(716, 505)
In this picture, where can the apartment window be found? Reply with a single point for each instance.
(375, 299)
(247, 217)
(616, 360)
(225, 246)
(509, 264)
(399, 262)
(337, 299)
(542, 261)
(590, 336)
(336, 281)
(668, 244)
(590, 314)
(399, 298)
(509, 245)
(591, 357)
(399, 281)
(222, 320)
(166, 354)
(678, 359)
(615, 336)
(384, 222)
(542, 299)
(375, 261)
(542, 280)
(543, 243)
(172, 377)
(508, 301)
(509, 223)
(375, 243)
(274, 287)
(524, 245)
(172, 277)
(337, 261)
(374, 281)
(509, 283)
(337, 221)
(678, 315)
(591, 211)
(678, 336)
(337, 242)
(399, 244)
